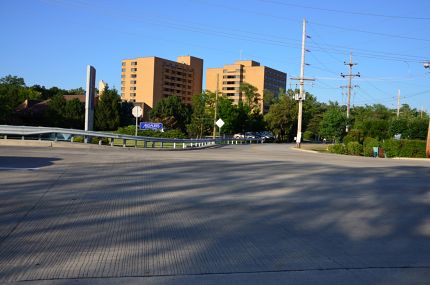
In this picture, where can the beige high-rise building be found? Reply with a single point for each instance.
(231, 76)
(147, 80)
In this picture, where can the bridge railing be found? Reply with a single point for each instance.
(113, 139)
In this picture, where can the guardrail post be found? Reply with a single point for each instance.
(40, 137)
(22, 137)
(162, 144)
(100, 142)
(71, 138)
(145, 144)
(183, 145)
(5, 137)
(111, 141)
(153, 144)
(124, 142)
(55, 137)
(85, 139)
(174, 145)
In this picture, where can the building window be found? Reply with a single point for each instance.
(123, 70)
(133, 100)
(132, 88)
(123, 76)
(132, 94)
(123, 63)
(133, 81)
(122, 88)
(133, 76)
(133, 69)
(122, 82)
(134, 63)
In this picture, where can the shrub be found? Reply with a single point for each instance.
(354, 135)
(95, 140)
(337, 148)
(130, 130)
(391, 147)
(405, 148)
(368, 145)
(354, 148)
(78, 139)
(412, 148)
(308, 136)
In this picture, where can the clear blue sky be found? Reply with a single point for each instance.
(50, 42)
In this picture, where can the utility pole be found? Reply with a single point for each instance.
(302, 79)
(427, 65)
(350, 76)
(398, 103)
(216, 105)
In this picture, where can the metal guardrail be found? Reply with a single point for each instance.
(55, 134)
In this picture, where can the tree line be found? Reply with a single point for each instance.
(55, 110)
(320, 120)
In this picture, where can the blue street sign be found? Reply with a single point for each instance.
(150, 126)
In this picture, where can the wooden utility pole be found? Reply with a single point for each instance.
(428, 142)
(216, 105)
(350, 76)
(398, 103)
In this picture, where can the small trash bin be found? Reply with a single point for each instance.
(375, 151)
(381, 153)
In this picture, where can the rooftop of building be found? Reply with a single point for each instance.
(164, 59)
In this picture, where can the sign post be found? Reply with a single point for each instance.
(137, 112)
(219, 123)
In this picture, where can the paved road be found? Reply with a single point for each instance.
(254, 214)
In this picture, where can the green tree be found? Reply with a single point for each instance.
(12, 81)
(172, 113)
(107, 111)
(333, 123)
(55, 111)
(282, 116)
(201, 122)
(73, 114)
(251, 97)
(229, 114)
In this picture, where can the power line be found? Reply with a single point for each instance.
(345, 11)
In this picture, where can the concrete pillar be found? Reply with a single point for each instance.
(89, 98)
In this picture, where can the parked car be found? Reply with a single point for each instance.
(250, 135)
(238, 136)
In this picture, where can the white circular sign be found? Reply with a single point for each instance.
(137, 111)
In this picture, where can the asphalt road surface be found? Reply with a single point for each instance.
(242, 214)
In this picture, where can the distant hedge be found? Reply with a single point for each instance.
(368, 145)
(392, 148)
(354, 148)
(405, 148)
(337, 148)
(130, 130)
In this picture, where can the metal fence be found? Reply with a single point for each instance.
(112, 139)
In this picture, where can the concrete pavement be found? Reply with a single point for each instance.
(246, 214)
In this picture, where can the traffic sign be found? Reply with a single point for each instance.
(137, 111)
(219, 123)
(150, 126)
